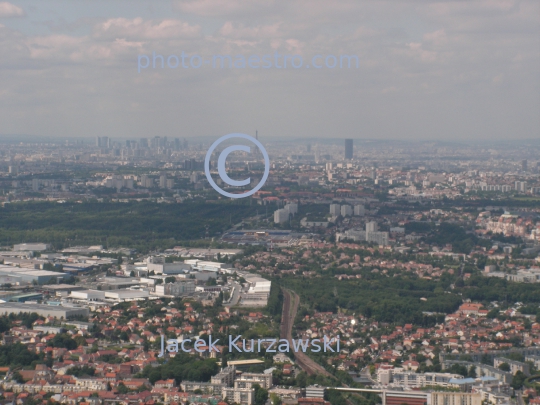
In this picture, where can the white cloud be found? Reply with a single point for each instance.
(141, 29)
(10, 10)
(223, 9)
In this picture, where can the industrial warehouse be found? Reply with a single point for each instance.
(55, 311)
(13, 275)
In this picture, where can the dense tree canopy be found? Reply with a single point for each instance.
(182, 367)
(142, 225)
(16, 355)
(396, 299)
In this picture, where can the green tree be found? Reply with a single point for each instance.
(504, 367)
(518, 380)
(335, 397)
(18, 377)
(81, 341)
(63, 340)
(485, 359)
(472, 372)
(16, 355)
(261, 395)
(122, 389)
(79, 371)
(275, 399)
(301, 379)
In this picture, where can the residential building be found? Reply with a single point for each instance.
(346, 210)
(335, 210)
(281, 216)
(455, 398)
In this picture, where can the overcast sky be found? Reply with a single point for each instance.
(437, 70)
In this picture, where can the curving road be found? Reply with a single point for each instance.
(290, 308)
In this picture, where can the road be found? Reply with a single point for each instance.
(235, 297)
(519, 398)
(291, 300)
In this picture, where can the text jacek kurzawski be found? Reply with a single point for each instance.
(250, 345)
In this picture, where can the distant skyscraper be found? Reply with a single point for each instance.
(103, 142)
(348, 148)
(524, 165)
(308, 148)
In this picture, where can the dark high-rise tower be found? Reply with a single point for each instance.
(348, 148)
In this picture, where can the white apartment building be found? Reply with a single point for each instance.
(372, 226)
(411, 379)
(455, 398)
(359, 210)
(292, 208)
(178, 289)
(346, 210)
(281, 216)
(242, 396)
(335, 209)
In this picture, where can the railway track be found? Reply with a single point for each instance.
(291, 300)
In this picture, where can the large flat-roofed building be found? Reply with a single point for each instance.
(315, 391)
(203, 265)
(37, 247)
(76, 268)
(204, 254)
(258, 284)
(43, 310)
(244, 364)
(246, 380)
(261, 237)
(169, 268)
(127, 295)
(26, 297)
(24, 275)
(61, 289)
(87, 295)
(407, 398)
(116, 283)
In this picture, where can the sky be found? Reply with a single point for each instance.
(453, 70)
